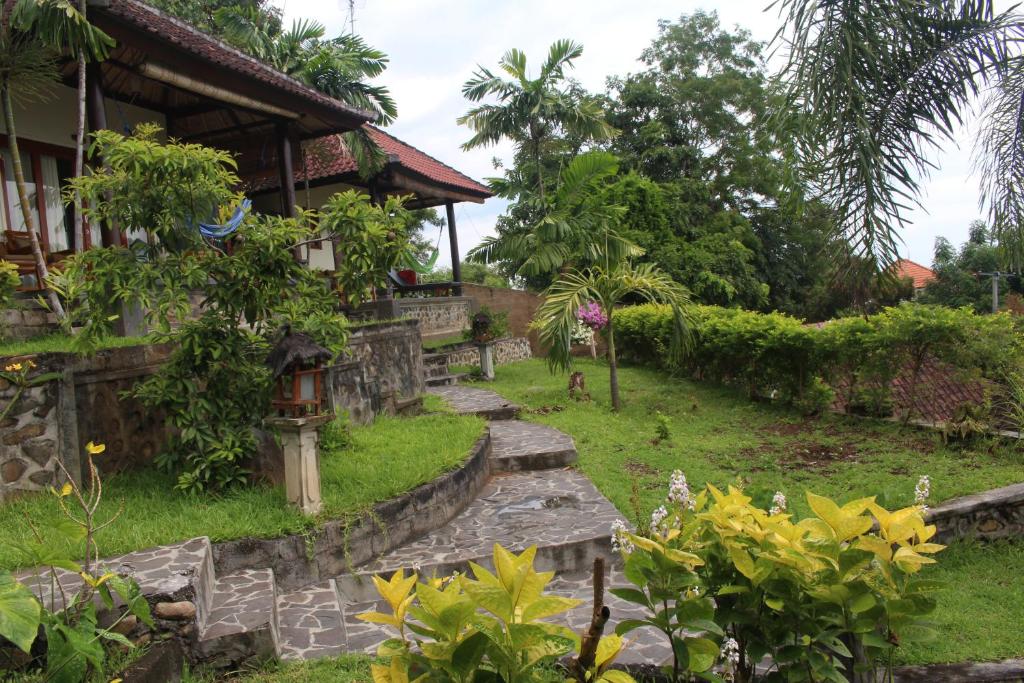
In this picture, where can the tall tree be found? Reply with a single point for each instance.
(962, 276)
(532, 111)
(876, 86)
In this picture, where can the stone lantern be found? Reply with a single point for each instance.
(299, 410)
(483, 336)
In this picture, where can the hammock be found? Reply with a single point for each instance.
(219, 232)
(409, 261)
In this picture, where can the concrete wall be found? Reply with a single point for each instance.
(521, 307)
(439, 317)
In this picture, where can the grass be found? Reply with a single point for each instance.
(59, 343)
(434, 344)
(382, 460)
(718, 436)
(344, 669)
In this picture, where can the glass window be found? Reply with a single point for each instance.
(14, 204)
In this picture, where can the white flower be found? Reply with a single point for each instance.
(657, 518)
(731, 652)
(922, 491)
(620, 539)
(778, 503)
(679, 490)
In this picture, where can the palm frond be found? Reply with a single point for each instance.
(28, 68)
(556, 316)
(561, 54)
(369, 158)
(62, 26)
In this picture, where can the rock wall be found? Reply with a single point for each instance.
(520, 306)
(26, 319)
(439, 317)
(989, 515)
(507, 350)
(391, 353)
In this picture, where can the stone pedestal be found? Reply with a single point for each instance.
(486, 360)
(300, 439)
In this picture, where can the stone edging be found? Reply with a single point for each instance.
(996, 513)
(299, 560)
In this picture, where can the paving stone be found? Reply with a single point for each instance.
(517, 445)
(560, 511)
(310, 622)
(473, 401)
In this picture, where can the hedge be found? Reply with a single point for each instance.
(778, 356)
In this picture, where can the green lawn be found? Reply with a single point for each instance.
(384, 459)
(719, 436)
(59, 343)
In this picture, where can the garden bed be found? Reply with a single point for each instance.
(717, 435)
(385, 459)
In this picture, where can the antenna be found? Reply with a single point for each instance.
(352, 16)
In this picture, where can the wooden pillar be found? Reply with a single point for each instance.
(453, 241)
(96, 111)
(286, 170)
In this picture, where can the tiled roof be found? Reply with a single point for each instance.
(160, 26)
(921, 276)
(329, 159)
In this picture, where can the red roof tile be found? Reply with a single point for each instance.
(905, 268)
(147, 20)
(331, 159)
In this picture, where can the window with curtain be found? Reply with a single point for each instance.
(46, 170)
(14, 213)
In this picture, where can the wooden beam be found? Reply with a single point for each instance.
(286, 171)
(96, 110)
(453, 242)
(238, 128)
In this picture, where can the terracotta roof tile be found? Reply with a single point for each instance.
(161, 26)
(332, 159)
(921, 276)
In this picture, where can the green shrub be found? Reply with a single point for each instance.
(824, 596)
(9, 282)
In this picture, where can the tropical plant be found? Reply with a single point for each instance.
(826, 597)
(609, 286)
(575, 225)
(530, 112)
(875, 87)
(487, 628)
(67, 603)
(339, 67)
(9, 283)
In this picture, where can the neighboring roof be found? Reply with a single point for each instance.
(921, 276)
(136, 23)
(329, 160)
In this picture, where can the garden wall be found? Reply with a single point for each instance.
(989, 515)
(52, 422)
(520, 306)
(507, 350)
(439, 317)
(26, 319)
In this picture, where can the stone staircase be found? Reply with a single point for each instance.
(531, 498)
(436, 372)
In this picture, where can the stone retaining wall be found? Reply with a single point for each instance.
(26, 319)
(439, 316)
(506, 351)
(391, 353)
(989, 515)
(299, 560)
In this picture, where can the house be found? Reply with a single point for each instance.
(201, 90)
(906, 269)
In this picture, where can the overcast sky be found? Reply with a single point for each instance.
(434, 46)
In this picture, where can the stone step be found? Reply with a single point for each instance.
(435, 359)
(311, 623)
(446, 380)
(473, 401)
(243, 622)
(517, 445)
(168, 573)
(430, 371)
(559, 511)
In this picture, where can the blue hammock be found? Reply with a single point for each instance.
(219, 232)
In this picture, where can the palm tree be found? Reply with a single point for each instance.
(529, 111)
(609, 286)
(61, 25)
(338, 67)
(575, 224)
(876, 86)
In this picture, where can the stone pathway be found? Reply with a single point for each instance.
(532, 498)
(473, 401)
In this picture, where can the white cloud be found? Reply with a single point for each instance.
(435, 45)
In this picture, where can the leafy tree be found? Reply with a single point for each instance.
(478, 273)
(875, 87)
(531, 112)
(957, 280)
(203, 13)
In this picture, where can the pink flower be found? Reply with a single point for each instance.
(591, 315)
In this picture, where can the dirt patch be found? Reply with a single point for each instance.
(636, 468)
(804, 455)
(547, 410)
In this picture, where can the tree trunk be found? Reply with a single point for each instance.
(540, 172)
(79, 234)
(613, 365)
(26, 206)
